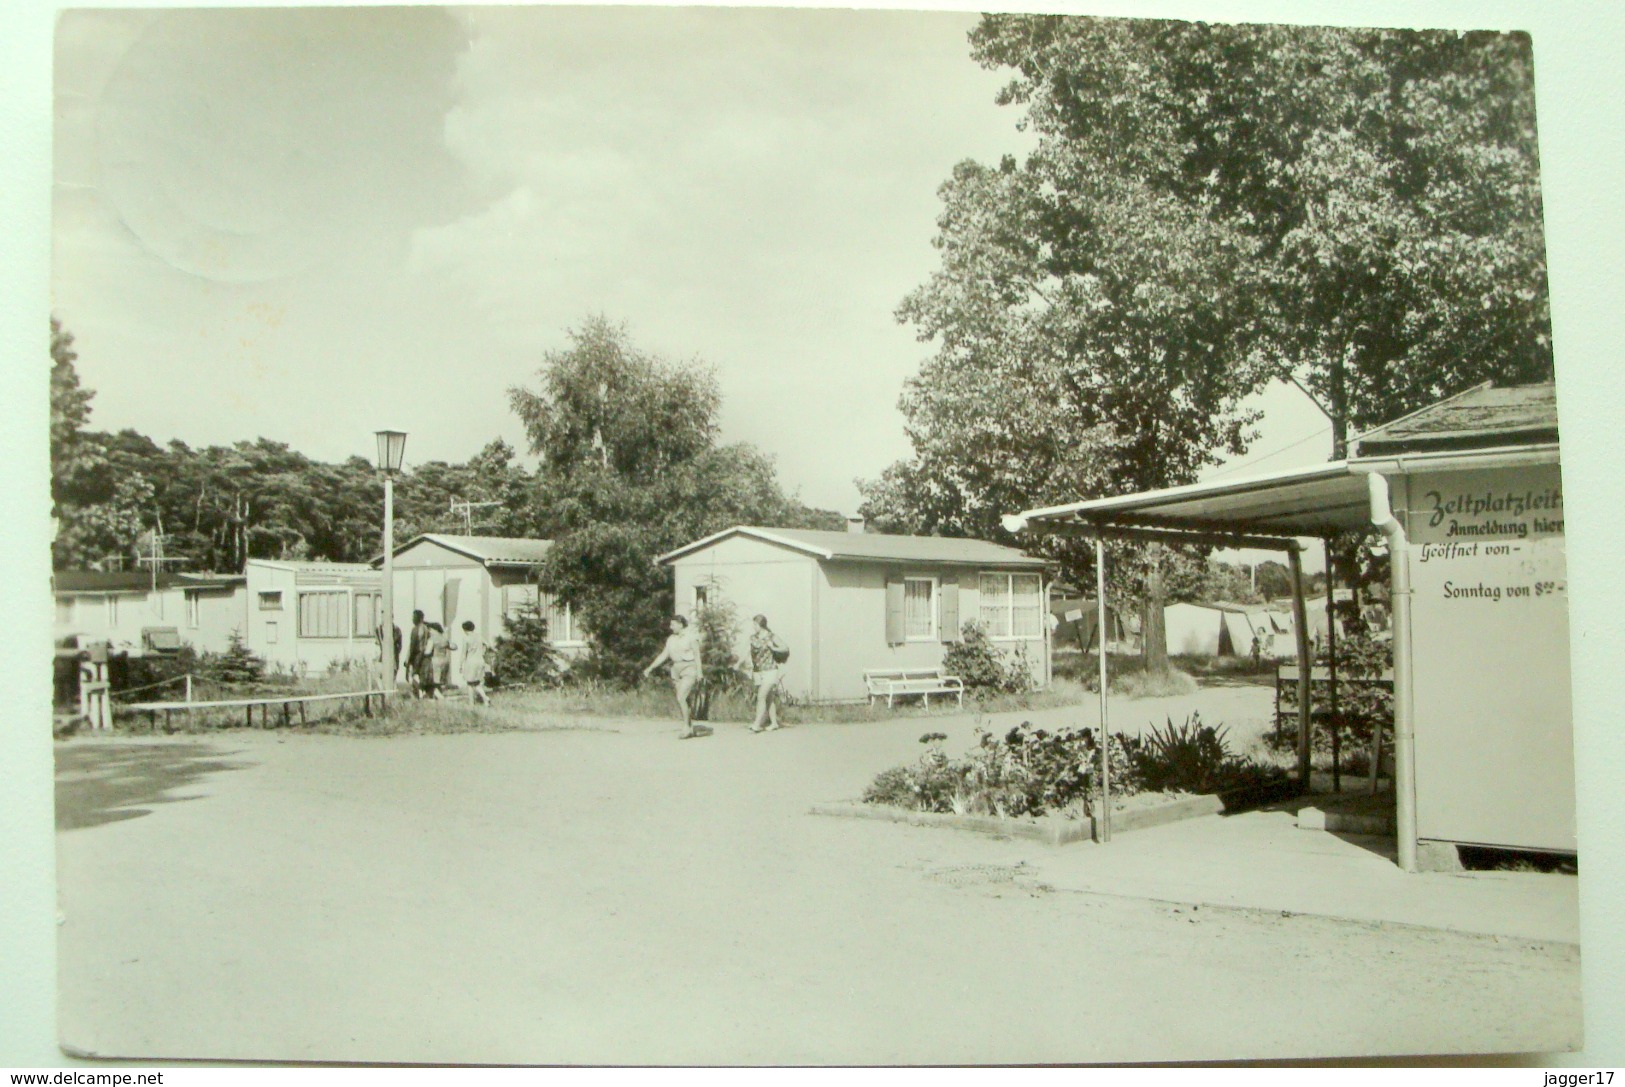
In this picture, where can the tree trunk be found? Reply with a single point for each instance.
(1154, 633)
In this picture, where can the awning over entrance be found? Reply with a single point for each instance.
(1277, 511)
(1261, 510)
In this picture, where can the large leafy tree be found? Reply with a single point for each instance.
(1207, 209)
(630, 468)
(1388, 181)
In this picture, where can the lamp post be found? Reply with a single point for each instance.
(391, 451)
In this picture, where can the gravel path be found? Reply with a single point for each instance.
(610, 895)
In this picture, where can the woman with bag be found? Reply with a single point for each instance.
(768, 654)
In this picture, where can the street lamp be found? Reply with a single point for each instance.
(391, 451)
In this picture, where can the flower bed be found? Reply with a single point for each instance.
(1032, 773)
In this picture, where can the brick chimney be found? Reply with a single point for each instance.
(854, 524)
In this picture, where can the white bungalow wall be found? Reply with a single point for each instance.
(273, 632)
(209, 617)
(851, 611)
(118, 617)
(832, 614)
(758, 577)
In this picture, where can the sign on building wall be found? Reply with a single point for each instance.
(1490, 650)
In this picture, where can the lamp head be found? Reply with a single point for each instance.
(391, 450)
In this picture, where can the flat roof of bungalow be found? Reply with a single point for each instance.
(871, 546)
(136, 581)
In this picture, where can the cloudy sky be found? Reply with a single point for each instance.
(308, 224)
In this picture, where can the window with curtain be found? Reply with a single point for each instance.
(516, 598)
(920, 609)
(561, 625)
(995, 610)
(1012, 605)
(369, 614)
(324, 614)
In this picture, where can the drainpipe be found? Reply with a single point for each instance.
(1399, 573)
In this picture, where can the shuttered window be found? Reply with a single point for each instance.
(919, 609)
(948, 608)
(894, 611)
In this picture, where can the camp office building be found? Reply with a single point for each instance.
(1468, 494)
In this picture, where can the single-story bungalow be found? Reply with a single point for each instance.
(138, 613)
(1468, 496)
(849, 602)
(485, 579)
(304, 616)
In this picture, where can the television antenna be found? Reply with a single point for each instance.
(466, 509)
(156, 557)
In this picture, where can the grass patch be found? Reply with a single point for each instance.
(511, 712)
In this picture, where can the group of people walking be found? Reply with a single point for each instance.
(427, 664)
(768, 655)
(427, 661)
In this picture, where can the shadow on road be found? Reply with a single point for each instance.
(108, 783)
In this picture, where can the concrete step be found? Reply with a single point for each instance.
(1376, 823)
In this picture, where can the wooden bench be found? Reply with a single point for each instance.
(891, 683)
(264, 702)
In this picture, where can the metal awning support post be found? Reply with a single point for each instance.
(1399, 575)
(1300, 620)
(1331, 664)
(1104, 825)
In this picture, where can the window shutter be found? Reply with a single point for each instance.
(948, 615)
(894, 611)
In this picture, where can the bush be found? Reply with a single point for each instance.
(1191, 757)
(238, 664)
(982, 667)
(1361, 706)
(523, 654)
(720, 671)
(150, 676)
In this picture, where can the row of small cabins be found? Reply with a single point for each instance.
(848, 601)
(1467, 493)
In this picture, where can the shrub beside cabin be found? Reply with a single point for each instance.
(848, 602)
(480, 578)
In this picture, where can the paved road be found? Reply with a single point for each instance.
(610, 895)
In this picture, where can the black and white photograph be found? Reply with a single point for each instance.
(769, 536)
